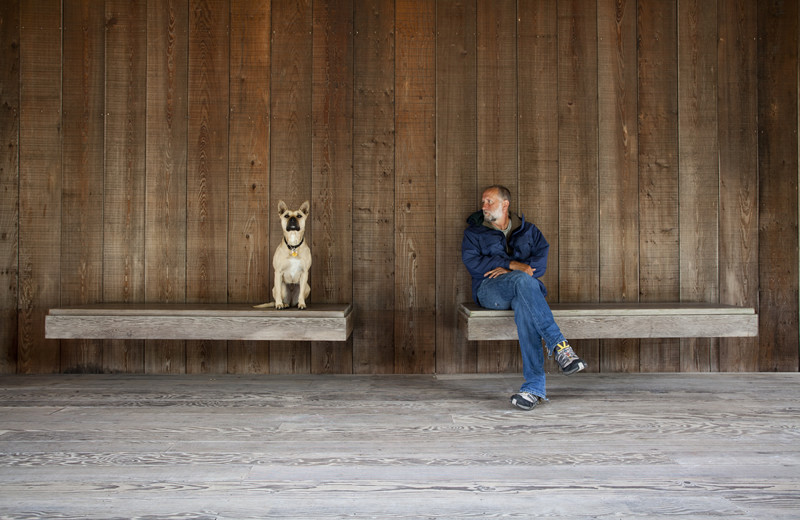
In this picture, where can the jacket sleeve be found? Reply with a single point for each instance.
(539, 248)
(476, 262)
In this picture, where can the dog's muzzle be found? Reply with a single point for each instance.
(292, 225)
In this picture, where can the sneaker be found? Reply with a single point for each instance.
(525, 400)
(567, 359)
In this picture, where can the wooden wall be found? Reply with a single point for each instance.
(146, 143)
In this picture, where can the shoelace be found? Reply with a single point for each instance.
(564, 354)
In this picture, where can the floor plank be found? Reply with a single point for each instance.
(223, 447)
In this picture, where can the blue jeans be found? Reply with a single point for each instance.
(523, 293)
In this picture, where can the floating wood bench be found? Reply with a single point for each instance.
(319, 322)
(617, 320)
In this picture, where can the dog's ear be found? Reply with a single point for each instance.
(305, 207)
(282, 208)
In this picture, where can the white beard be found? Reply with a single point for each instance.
(492, 217)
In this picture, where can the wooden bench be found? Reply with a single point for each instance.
(319, 322)
(619, 320)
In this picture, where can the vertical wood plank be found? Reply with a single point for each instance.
(578, 161)
(538, 119)
(40, 173)
(332, 167)
(778, 198)
(124, 178)
(457, 197)
(619, 171)
(497, 95)
(207, 172)
(538, 143)
(698, 169)
(373, 186)
(82, 184)
(9, 183)
(659, 253)
(249, 278)
(165, 213)
(290, 147)
(415, 237)
(738, 154)
(497, 134)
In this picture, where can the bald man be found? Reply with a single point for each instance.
(506, 256)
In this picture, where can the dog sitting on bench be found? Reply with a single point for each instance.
(292, 260)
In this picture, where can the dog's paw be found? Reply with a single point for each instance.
(281, 306)
(301, 305)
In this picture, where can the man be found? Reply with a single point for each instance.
(505, 257)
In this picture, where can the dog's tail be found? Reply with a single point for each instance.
(264, 305)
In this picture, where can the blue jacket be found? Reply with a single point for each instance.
(484, 248)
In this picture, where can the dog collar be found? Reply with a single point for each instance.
(293, 249)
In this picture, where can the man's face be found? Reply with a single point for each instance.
(492, 205)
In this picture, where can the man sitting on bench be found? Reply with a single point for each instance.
(505, 257)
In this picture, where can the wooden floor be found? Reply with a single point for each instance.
(605, 446)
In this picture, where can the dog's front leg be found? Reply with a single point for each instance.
(278, 290)
(303, 290)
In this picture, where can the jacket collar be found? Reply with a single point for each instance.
(476, 219)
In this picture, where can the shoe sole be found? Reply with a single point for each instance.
(523, 406)
(577, 367)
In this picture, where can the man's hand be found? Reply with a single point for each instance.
(497, 271)
(514, 266)
(519, 266)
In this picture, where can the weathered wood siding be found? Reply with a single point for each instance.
(145, 145)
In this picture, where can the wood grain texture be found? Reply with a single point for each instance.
(125, 170)
(618, 190)
(9, 183)
(207, 171)
(537, 107)
(778, 184)
(738, 159)
(389, 116)
(659, 249)
(373, 186)
(497, 132)
(633, 309)
(167, 134)
(578, 326)
(415, 187)
(497, 95)
(317, 310)
(82, 161)
(578, 204)
(290, 143)
(617, 320)
(40, 167)
(323, 322)
(456, 184)
(698, 169)
(332, 171)
(249, 447)
(249, 249)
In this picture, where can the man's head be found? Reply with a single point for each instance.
(494, 203)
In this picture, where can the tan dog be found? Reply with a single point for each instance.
(292, 260)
